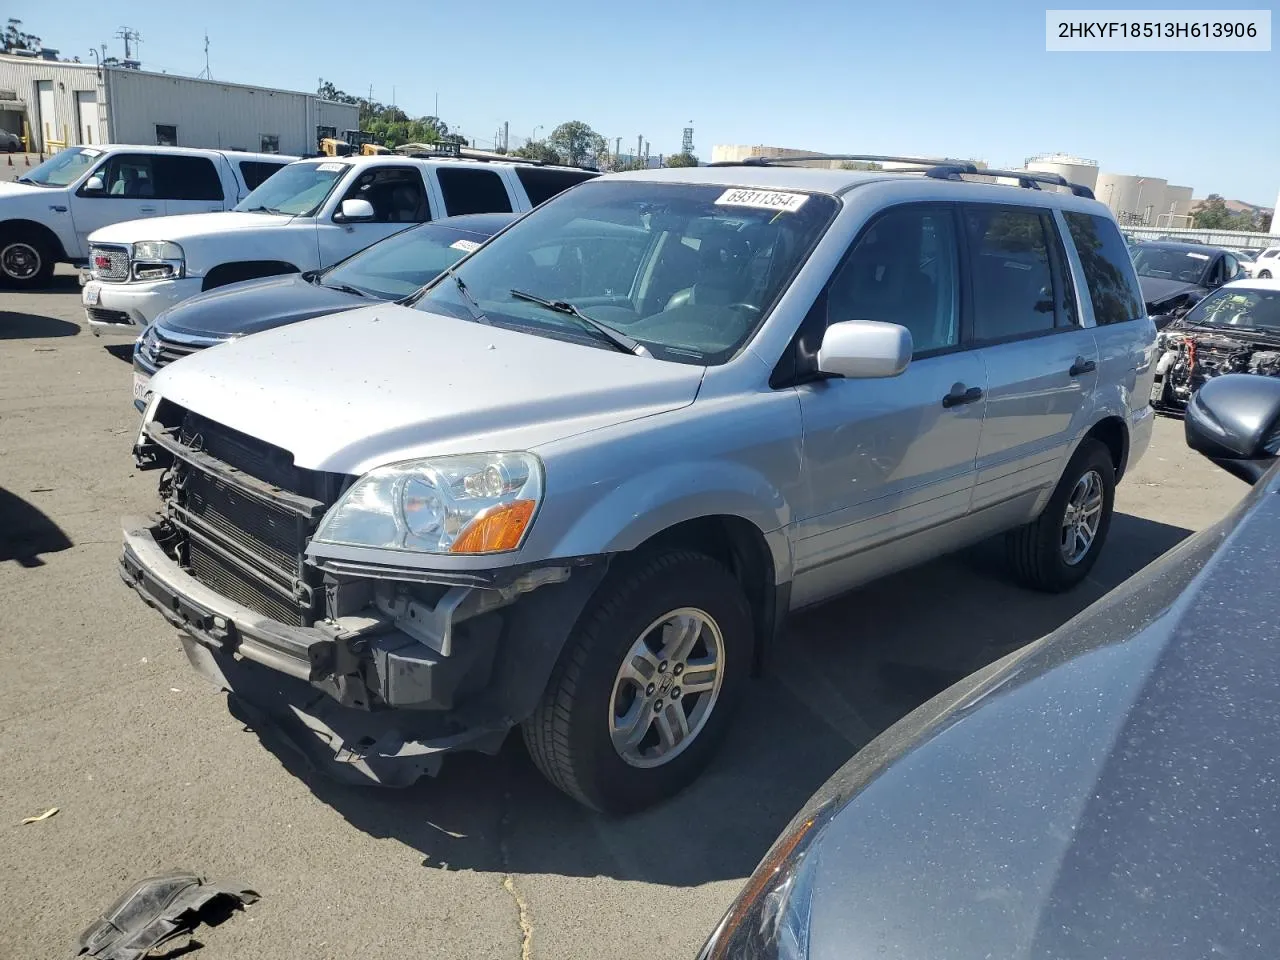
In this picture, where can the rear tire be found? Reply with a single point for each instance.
(1050, 554)
(26, 260)
(652, 621)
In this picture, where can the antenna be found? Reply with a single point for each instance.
(207, 74)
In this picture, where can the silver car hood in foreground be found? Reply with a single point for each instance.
(351, 391)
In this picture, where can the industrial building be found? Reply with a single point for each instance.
(57, 104)
(1135, 201)
(736, 152)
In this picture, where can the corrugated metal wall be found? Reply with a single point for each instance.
(1222, 238)
(20, 76)
(206, 114)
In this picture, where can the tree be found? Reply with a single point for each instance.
(327, 91)
(16, 39)
(538, 150)
(1213, 214)
(576, 142)
(682, 160)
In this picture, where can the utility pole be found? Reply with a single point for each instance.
(129, 36)
(506, 135)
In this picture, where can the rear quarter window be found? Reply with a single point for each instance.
(1108, 271)
(541, 184)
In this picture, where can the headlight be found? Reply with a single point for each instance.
(478, 503)
(158, 260)
(770, 918)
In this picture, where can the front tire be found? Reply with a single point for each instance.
(1264, 275)
(26, 262)
(1057, 550)
(644, 688)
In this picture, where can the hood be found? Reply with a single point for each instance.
(255, 305)
(11, 192)
(355, 390)
(1107, 792)
(181, 228)
(1157, 289)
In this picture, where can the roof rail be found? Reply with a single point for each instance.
(936, 167)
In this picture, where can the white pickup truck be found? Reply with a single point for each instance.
(47, 214)
(312, 214)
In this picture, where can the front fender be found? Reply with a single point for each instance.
(609, 491)
(660, 499)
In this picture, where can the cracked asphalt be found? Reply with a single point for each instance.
(102, 718)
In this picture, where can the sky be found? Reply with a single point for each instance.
(969, 80)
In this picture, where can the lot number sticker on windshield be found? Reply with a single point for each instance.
(1198, 256)
(330, 167)
(762, 200)
(466, 246)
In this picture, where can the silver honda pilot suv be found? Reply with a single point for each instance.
(577, 483)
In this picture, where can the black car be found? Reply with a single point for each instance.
(1236, 329)
(1176, 276)
(389, 270)
(1111, 791)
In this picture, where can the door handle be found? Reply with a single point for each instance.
(959, 395)
(1082, 366)
(147, 209)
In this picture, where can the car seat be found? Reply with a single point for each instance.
(723, 276)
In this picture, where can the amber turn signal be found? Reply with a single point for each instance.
(495, 529)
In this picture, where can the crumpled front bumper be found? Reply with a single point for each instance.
(365, 669)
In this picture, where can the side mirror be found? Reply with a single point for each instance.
(865, 349)
(1234, 420)
(1162, 320)
(352, 210)
(94, 184)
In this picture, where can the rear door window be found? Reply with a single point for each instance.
(1011, 271)
(472, 191)
(541, 184)
(186, 178)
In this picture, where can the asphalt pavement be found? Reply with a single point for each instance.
(102, 717)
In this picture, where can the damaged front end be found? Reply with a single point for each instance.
(373, 672)
(1188, 356)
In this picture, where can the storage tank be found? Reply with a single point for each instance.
(1074, 169)
(1134, 200)
(1176, 207)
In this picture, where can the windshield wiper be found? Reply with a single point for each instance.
(615, 337)
(261, 210)
(473, 304)
(346, 288)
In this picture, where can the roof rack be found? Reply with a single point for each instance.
(934, 167)
(450, 150)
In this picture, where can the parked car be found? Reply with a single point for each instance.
(1266, 265)
(310, 216)
(1103, 792)
(48, 213)
(10, 142)
(389, 270)
(1235, 329)
(577, 483)
(1176, 276)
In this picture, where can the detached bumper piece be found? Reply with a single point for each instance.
(157, 910)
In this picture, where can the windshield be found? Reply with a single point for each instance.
(1165, 263)
(1239, 308)
(399, 265)
(296, 190)
(63, 168)
(688, 270)
(1248, 255)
